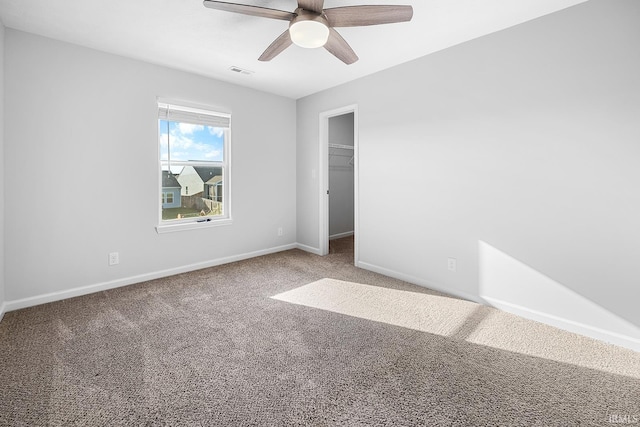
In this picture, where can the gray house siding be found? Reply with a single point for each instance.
(170, 191)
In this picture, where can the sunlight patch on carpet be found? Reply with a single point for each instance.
(464, 320)
(414, 310)
(513, 333)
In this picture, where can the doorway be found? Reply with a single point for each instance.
(339, 181)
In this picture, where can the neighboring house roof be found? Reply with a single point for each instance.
(169, 180)
(207, 172)
(215, 180)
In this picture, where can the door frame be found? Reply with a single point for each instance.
(324, 177)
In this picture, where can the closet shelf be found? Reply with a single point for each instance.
(343, 147)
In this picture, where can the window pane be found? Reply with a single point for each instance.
(194, 163)
(186, 141)
(197, 191)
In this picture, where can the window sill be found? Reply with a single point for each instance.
(192, 225)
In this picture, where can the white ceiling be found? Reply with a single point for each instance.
(185, 35)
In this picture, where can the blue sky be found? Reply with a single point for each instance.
(191, 142)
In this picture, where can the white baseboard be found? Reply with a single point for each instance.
(84, 290)
(549, 319)
(566, 324)
(315, 251)
(340, 235)
(418, 281)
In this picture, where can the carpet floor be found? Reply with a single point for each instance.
(296, 339)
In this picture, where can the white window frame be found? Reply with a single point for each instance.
(195, 111)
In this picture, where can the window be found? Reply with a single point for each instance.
(194, 166)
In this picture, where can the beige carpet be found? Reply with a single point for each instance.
(460, 319)
(296, 339)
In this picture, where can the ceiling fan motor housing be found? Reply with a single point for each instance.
(309, 29)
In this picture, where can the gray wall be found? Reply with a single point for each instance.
(515, 153)
(2, 240)
(86, 121)
(341, 176)
(522, 146)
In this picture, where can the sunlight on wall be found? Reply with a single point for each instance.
(513, 286)
(463, 320)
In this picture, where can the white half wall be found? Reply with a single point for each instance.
(81, 170)
(526, 139)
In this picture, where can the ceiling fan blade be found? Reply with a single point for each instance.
(356, 16)
(340, 48)
(276, 48)
(311, 5)
(249, 10)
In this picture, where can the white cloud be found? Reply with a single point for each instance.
(219, 132)
(176, 140)
(184, 147)
(188, 128)
(198, 150)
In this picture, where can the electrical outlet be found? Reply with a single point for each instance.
(114, 258)
(452, 264)
(280, 231)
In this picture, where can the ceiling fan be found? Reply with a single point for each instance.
(311, 26)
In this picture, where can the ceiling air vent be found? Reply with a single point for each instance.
(240, 70)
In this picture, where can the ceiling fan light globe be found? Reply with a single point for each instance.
(309, 34)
